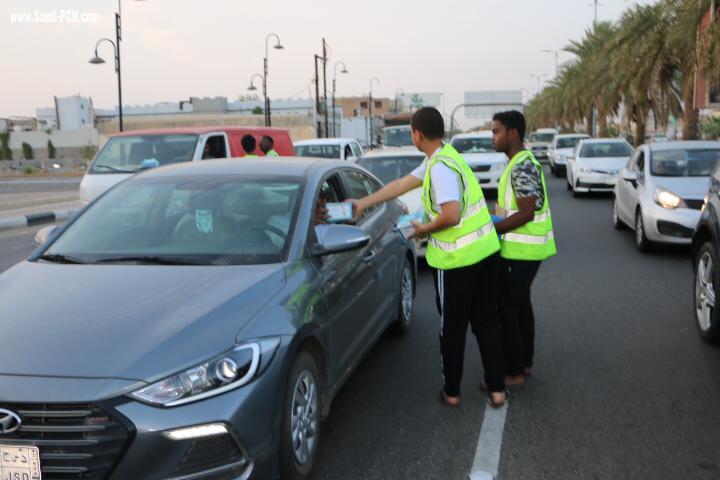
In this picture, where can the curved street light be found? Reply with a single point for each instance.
(278, 46)
(334, 85)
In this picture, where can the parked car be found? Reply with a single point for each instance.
(539, 142)
(391, 165)
(487, 164)
(124, 153)
(335, 148)
(705, 255)
(596, 163)
(192, 325)
(561, 149)
(399, 136)
(661, 191)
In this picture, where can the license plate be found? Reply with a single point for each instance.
(19, 463)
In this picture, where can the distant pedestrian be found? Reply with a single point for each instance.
(248, 144)
(267, 145)
(527, 239)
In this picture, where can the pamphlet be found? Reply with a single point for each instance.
(339, 212)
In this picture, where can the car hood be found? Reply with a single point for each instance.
(603, 163)
(133, 322)
(538, 144)
(484, 158)
(686, 187)
(568, 152)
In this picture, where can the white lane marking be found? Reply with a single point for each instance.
(487, 453)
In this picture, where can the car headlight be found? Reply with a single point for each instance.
(666, 199)
(228, 371)
(584, 169)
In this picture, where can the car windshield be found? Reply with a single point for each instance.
(606, 149)
(204, 220)
(318, 151)
(126, 154)
(684, 163)
(473, 145)
(397, 137)
(542, 137)
(568, 142)
(389, 168)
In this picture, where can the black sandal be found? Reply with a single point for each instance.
(493, 404)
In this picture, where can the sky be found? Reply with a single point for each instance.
(174, 49)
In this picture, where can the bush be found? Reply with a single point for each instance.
(29, 170)
(5, 152)
(27, 151)
(258, 111)
(88, 152)
(711, 128)
(51, 149)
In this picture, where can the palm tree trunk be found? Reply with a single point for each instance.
(589, 122)
(690, 114)
(640, 127)
(602, 123)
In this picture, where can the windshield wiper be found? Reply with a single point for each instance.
(58, 258)
(115, 169)
(153, 259)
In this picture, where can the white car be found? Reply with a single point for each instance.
(335, 148)
(540, 141)
(661, 191)
(562, 148)
(391, 165)
(397, 137)
(487, 164)
(596, 164)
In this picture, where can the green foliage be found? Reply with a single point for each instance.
(27, 151)
(51, 149)
(29, 170)
(88, 152)
(711, 128)
(5, 152)
(258, 111)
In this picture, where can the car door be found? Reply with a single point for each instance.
(346, 282)
(212, 145)
(630, 191)
(380, 262)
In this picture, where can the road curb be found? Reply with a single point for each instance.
(33, 219)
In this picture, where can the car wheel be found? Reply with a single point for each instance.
(617, 223)
(301, 419)
(707, 276)
(552, 168)
(407, 297)
(641, 241)
(567, 184)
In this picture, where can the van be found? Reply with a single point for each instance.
(128, 152)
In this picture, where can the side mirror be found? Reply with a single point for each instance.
(44, 233)
(338, 238)
(629, 176)
(351, 159)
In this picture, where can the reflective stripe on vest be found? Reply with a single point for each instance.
(539, 217)
(529, 239)
(463, 241)
(471, 211)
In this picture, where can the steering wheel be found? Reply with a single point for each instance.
(270, 229)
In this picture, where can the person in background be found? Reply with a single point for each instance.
(248, 144)
(526, 240)
(267, 145)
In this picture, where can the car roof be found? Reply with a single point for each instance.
(324, 141)
(201, 130)
(393, 153)
(299, 167)
(604, 140)
(478, 134)
(573, 135)
(682, 145)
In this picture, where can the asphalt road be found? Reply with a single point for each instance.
(623, 387)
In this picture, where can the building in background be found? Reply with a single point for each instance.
(707, 96)
(358, 106)
(69, 113)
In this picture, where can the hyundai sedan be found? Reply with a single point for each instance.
(196, 322)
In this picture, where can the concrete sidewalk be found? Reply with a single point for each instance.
(27, 202)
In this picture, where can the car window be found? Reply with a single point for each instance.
(567, 142)
(318, 151)
(640, 162)
(357, 151)
(358, 185)
(473, 145)
(684, 163)
(214, 147)
(391, 168)
(127, 153)
(605, 149)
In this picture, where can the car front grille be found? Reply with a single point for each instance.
(694, 204)
(210, 453)
(76, 441)
(481, 168)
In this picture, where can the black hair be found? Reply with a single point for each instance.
(248, 143)
(428, 121)
(269, 140)
(512, 119)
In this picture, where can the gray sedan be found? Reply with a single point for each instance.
(189, 323)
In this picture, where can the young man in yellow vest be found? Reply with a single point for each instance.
(463, 249)
(527, 239)
(248, 143)
(267, 146)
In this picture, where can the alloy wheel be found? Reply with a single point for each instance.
(406, 291)
(704, 291)
(304, 418)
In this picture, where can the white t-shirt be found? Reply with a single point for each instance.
(444, 181)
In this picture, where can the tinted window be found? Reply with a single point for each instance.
(390, 168)
(473, 145)
(318, 151)
(126, 154)
(684, 163)
(357, 151)
(542, 137)
(214, 147)
(397, 137)
(205, 220)
(609, 149)
(568, 142)
(358, 185)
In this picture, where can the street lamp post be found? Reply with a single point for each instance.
(556, 59)
(252, 86)
(96, 60)
(334, 85)
(278, 46)
(397, 110)
(538, 77)
(370, 119)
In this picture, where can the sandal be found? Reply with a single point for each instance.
(495, 404)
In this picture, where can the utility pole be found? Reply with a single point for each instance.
(325, 59)
(317, 97)
(595, 3)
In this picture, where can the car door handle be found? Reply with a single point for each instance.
(370, 256)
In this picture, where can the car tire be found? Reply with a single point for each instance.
(567, 184)
(552, 169)
(302, 406)
(407, 295)
(641, 241)
(617, 223)
(706, 280)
